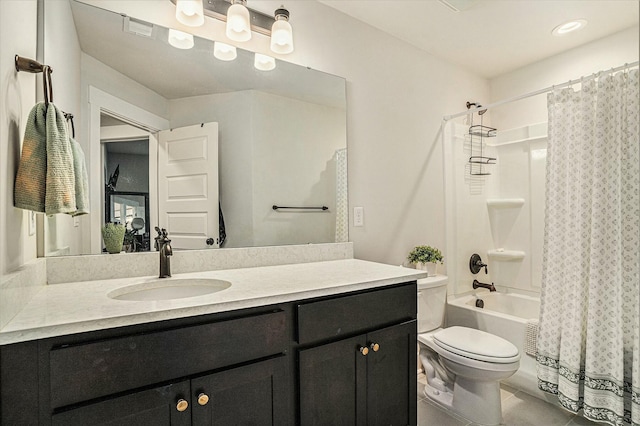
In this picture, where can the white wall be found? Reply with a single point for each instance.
(294, 165)
(62, 53)
(18, 28)
(603, 54)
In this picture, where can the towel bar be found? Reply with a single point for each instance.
(301, 208)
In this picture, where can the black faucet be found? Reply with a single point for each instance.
(163, 245)
(477, 284)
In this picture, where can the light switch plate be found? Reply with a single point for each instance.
(358, 216)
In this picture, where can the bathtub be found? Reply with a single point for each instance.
(505, 315)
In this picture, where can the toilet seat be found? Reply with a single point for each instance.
(476, 341)
(476, 344)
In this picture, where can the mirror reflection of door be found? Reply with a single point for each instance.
(126, 194)
(188, 186)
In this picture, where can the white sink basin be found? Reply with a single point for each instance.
(169, 289)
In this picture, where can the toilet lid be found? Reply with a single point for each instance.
(476, 344)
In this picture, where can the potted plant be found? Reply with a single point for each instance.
(113, 236)
(425, 258)
(130, 241)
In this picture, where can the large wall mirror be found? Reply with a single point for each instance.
(151, 113)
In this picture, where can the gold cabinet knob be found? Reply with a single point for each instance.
(374, 347)
(182, 405)
(364, 350)
(203, 399)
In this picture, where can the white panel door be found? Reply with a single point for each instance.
(188, 185)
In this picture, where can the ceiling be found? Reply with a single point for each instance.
(492, 37)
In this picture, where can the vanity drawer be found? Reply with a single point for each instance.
(347, 315)
(95, 369)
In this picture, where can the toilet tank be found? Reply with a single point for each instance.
(432, 300)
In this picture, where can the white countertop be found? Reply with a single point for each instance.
(61, 309)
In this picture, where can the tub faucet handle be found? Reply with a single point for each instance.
(476, 264)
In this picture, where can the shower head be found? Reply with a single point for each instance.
(475, 105)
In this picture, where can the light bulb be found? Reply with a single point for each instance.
(264, 62)
(180, 39)
(190, 12)
(238, 23)
(224, 52)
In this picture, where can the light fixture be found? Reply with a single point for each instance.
(180, 39)
(224, 52)
(264, 62)
(190, 12)
(281, 32)
(569, 26)
(238, 21)
(242, 21)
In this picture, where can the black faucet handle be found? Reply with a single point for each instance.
(476, 264)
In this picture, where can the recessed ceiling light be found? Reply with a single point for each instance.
(569, 26)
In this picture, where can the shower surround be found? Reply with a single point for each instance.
(499, 216)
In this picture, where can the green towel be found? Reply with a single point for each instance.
(60, 192)
(82, 179)
(46, 179)
(31, 178)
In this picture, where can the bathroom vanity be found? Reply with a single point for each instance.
(340, 351)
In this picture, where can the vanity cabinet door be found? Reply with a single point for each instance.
(161, 406)
(365, 380)
(391, 376)
(330, 378)
(254, 394)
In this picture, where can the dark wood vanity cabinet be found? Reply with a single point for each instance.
(340, 385)
(368, 379)
(294, 363)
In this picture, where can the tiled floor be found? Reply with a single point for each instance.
(518, 409)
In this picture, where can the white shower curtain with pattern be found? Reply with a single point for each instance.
(589, 334)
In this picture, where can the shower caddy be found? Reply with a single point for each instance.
(477, 133)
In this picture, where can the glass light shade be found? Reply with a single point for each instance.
(224, 52)
(264, 62)
(180, 39)
(190, 12)
(281, 37)
(238, 23)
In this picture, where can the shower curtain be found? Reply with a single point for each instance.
(588, 350)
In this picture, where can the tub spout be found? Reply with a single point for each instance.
(477, 284)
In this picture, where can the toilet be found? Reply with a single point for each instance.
(463, 366)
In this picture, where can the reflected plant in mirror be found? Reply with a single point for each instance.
(219, 141)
